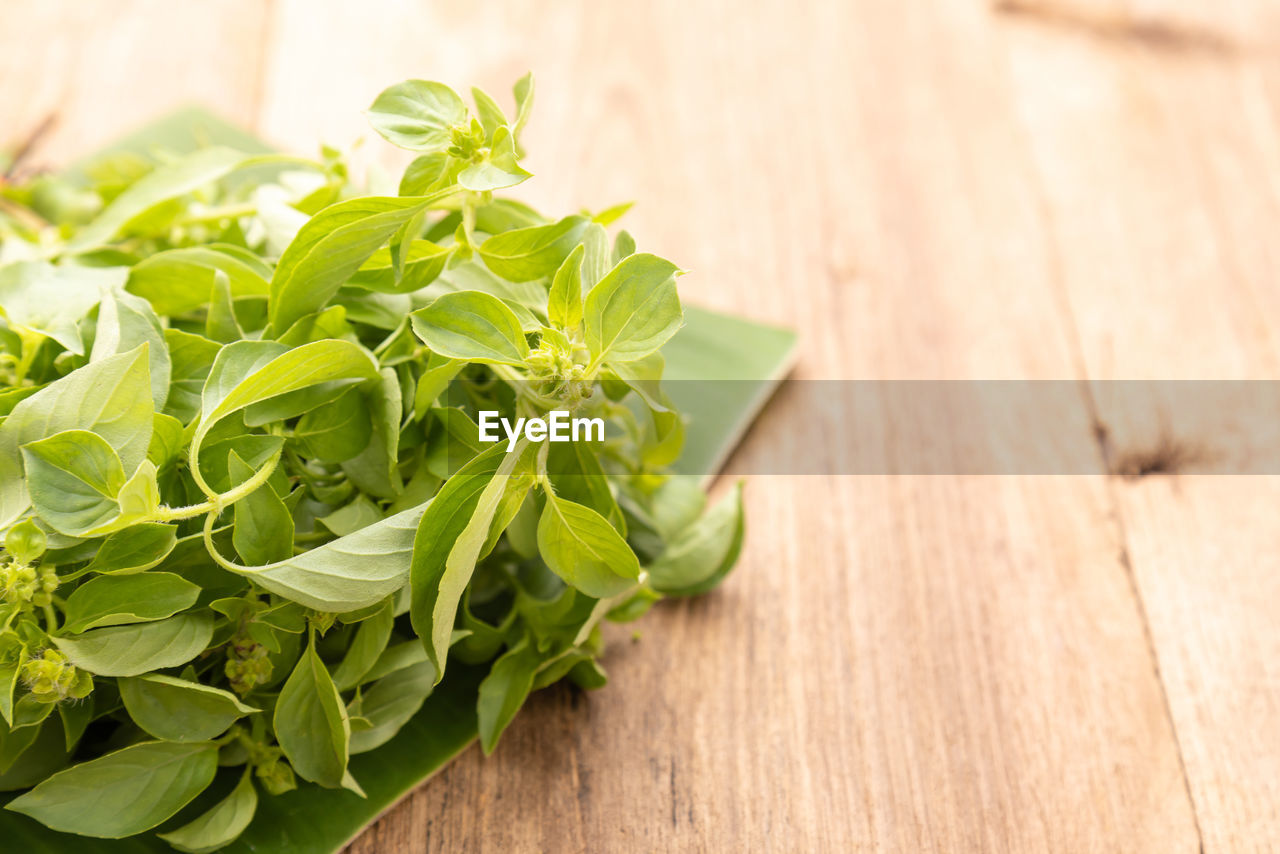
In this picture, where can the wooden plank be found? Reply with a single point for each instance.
(900, 663)
(1158, 169)
(102, 69)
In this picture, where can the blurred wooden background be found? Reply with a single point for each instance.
(960, 189)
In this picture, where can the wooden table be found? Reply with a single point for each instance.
(1039, 189)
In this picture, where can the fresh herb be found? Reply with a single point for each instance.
(249, 518)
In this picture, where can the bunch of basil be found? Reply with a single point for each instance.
(247, 516)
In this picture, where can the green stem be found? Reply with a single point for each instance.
(50, 618)
(219, 502)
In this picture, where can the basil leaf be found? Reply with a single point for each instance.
(504, 691)
(633, 310)
(330, 248)
(703, 554)
(249, 372)
(337, 430)
(389, 704)
(177, 281)
(191, 357)
(375, 469)
(122, 599)
(179, 710)
(263, 529)
(370, 640)
(124, 792)
(133, 650)
(350, 518)
(417, 114)
(13, 654)
(75, 477)
(348, 573)
(565, 305)
(51, 300)
(437, 576)
(111, 398)
(472, 326)
(175, 179)
(597, 257)
(498, 169)
(424, 261)
(221, 825)
(124, 323)
(311, 722)
(581, 547)
(488, 111)
(524, 254)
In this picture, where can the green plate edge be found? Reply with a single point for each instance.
(739, 363)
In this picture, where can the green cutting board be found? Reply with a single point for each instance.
(723, 370)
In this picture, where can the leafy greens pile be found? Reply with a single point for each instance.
(247, 515)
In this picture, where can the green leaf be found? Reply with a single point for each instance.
(564, 306)
(76, 716)
(438, 577)
(331, 247)
(250, 372)
(13, 654)
(166, 182)
(375, 469)
(124, 792)
(434, 380)
(430, 173)
(349, 573)
(221, 323)
(263, 524)
(472, 326)
(177, 281)
(370, 640)
(704, 553)
(524, 103)
(40, 297)
(126, 322)
(337, 430)
(633, 310)
(417, 114)
(137, 649)
(389, 704)
(360, 513)
(577, 476)
(180, 710)
(221, 825)
(504, 691)
(121, 599)
(424, 261)
(609, 216)
(134, 549)
(488, 111)
(191, 357)
(581, 547)
(498, 170)
(74, 479)
(111, 397)
(597, 258)
(167, 440)
(311, 722)
(25, 542)
(524, 254)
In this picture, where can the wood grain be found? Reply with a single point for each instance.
(1158, 169)
(1042, 189)
(909, 664)
(102, 69)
